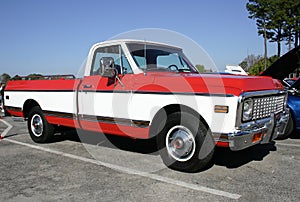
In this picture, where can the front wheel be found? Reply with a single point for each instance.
(185, 143)
(39, 129)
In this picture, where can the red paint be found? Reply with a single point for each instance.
(151, 82)
(62, 121)
(121, 130)
(15, 113)
(159, 82)
(42, 85)
(109, 128)
(210, 83)
(222, 144)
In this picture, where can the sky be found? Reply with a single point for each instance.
(54, 36)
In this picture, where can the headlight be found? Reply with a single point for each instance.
(247, 110)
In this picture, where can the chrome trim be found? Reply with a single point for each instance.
(36, 125)
(114, 120)
(180, 143)
(247, 95)
(283, 122)
(270, 127)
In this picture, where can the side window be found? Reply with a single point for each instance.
(126, 66)
(121, 63)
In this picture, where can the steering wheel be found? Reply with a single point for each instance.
(175, 66)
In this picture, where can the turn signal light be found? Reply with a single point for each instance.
(221, 109)
(257, 137)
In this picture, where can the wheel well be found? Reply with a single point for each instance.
(28, 105)
(160, 117)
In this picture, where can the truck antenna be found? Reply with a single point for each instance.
(145, 55)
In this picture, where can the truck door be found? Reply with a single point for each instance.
(102, 101)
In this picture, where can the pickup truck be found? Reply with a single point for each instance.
(142, 89)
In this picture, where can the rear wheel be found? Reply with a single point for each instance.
(6, 113)
(39, 129)
(185, 143)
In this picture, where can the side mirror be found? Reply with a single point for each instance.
(107, 66)
(109, 73)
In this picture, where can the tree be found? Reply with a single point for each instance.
(244, 65)
(249, 61)
(34, 77)
(292, 24)
(4, 78)
(277, 20)
(258, 67)
(200, 68)
(16, 77)
(259, 10)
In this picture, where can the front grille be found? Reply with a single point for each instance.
(264, 106)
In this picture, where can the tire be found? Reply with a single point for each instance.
(185, 143)
(6, 112)
(289, 129)
(39, 129)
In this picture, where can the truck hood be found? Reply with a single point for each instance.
(214, 83)
(285, 65)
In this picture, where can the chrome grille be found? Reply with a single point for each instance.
(264, 106)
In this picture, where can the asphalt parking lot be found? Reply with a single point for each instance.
(93, 168)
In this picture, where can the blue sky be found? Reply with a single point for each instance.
(54, 36)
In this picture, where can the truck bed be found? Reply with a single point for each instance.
(46, 83)
(52, 95)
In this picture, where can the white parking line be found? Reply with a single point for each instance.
(127, 170)
(286, 144)
(9, 126)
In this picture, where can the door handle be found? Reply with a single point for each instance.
(87, 86)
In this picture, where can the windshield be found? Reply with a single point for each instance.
(289, 81)
(292, 83)
(159, 58)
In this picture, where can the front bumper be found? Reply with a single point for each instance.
(255, 132)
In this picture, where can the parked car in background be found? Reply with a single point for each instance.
(287, 64)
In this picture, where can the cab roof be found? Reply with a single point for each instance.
(120, 41)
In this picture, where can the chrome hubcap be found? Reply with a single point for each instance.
(180, 143)
(37, 125)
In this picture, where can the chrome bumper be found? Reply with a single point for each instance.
(256, 132)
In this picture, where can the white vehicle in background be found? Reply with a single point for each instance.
(235, 69)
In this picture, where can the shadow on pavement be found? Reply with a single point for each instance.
(234, 159)
(295, 135)
(222, 156)
(110, 141)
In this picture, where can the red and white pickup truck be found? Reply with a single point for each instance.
(147, 90)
